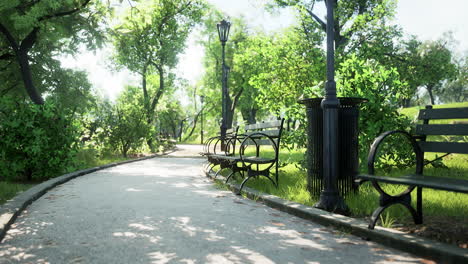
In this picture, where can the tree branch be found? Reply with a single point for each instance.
(317, 19)
(65, 13)
(11, 40)
(29, 40)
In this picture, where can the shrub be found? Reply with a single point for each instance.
(384, 90)
(37, 142)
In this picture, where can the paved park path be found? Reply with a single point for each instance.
(164, 210)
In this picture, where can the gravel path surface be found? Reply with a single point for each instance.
(164, 210)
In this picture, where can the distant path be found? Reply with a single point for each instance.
(164, 210)
(186, 150)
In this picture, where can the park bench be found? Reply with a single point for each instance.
(248, 152)
(212, 147)
(422, 141)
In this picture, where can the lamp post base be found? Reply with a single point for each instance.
(332, 202)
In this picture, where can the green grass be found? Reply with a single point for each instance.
(89, 158)
(9, 190)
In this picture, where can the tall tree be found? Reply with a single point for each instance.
(435, 66)
(32, 32)
(149, 39)
(457, 89)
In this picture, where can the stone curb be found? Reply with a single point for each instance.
(13, 208)
(422, 247)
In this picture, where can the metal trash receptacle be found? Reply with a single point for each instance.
(348, 152)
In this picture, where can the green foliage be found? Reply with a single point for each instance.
(456, 90)
(33, 33)
(383, 90)
(37, 142)
(148, 42)
(125, 128)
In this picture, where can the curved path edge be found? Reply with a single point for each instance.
(13, 208)
(444, 253)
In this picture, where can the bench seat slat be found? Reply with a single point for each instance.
(444, 147)
(452, 129)
(444, 113)
(258, 160)
(438, 183)
(252, 159)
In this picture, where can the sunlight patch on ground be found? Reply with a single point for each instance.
(161, 257)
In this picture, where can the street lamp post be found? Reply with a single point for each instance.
(223, 32)
(330, 199)
(202, 98)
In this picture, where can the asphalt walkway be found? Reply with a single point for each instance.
(164, 210)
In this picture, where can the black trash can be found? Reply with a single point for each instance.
(348, 155)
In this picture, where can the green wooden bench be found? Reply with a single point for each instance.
(420, 144)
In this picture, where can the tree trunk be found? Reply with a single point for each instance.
(195, 121)
(23, 60)
(429, 90)
(250, 116)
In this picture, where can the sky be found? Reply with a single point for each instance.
(427, 19)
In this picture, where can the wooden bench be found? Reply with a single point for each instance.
(245, 152)
(420, 144)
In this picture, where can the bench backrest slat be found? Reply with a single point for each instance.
(232, 131)
(273, 129)
(272, 133)
(444, 113)
(436, 129)
(444, 147)
(265, 125)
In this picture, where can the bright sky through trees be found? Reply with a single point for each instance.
(427, 19)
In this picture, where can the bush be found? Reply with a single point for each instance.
(384, 90)
(37, 142)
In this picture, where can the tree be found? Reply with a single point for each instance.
(286, 67)
(125, 126)
(435, 66)
(28, 46)
(457, 89)
(149, 40)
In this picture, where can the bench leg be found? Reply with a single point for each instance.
(242, 184)
(229, 177)
(253, 173)
(388, 200)
(419, 206)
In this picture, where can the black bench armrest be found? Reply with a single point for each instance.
(381, 138)
(252, 138)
